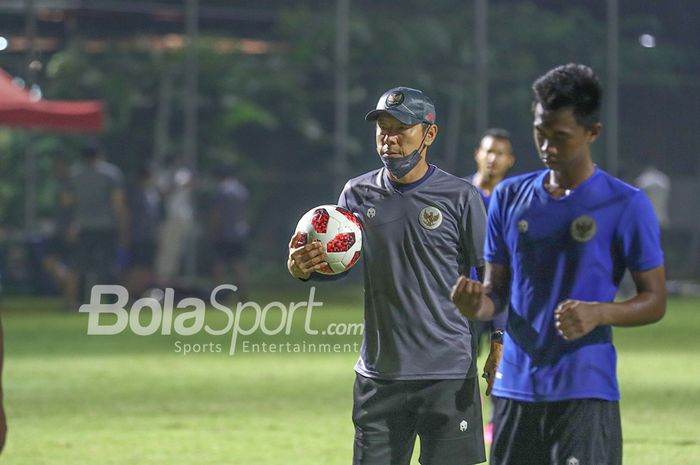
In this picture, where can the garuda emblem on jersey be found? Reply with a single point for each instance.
(583, 228)
(430, 218)
(523, 226)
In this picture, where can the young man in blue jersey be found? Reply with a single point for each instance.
(558, 243)
(422, 228)
(493, 157)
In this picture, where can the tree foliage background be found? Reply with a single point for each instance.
(272, 114)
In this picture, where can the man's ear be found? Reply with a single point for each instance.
(432, 134)
(594, 132)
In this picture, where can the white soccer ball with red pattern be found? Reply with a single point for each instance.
(338, 230)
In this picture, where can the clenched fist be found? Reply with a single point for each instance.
(467, 295)
(575, 318)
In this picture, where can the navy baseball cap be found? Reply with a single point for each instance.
(410, 106)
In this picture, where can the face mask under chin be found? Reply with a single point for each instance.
(401, 166)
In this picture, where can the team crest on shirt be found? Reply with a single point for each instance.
(523, 226)
(463, 426)
(371, 212)
(583, 228)
(430, 218)
(572, 461)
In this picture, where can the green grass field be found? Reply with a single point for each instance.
(126, 399)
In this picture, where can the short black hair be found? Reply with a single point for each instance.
(497, 133)
(572, 86)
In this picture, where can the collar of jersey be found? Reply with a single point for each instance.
(539, 186)
(410, 186)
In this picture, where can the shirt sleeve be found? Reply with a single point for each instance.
(343, 198)
(474, 230)
(639, 235)
(496, 249)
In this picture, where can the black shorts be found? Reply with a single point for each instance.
(572, 432)
(445, 414)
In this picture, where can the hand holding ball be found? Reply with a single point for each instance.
(338, 231)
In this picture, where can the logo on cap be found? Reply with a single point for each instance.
(395, 98)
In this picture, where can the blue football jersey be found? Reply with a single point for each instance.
(575, 247)
(499, 321)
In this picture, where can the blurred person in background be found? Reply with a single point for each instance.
(59, 257)
(228, 232)
(657, 186)
(176, 184)
(145, 213)
(493, 157)
(101, 218)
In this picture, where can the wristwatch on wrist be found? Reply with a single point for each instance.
(497, 336)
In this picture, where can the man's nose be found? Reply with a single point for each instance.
(388, 137)
(547, 147)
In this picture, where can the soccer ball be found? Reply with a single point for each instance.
(339, 231)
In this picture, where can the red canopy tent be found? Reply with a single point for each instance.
(18, 109)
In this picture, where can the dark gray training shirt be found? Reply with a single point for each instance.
(415, 245)
(93, 188)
